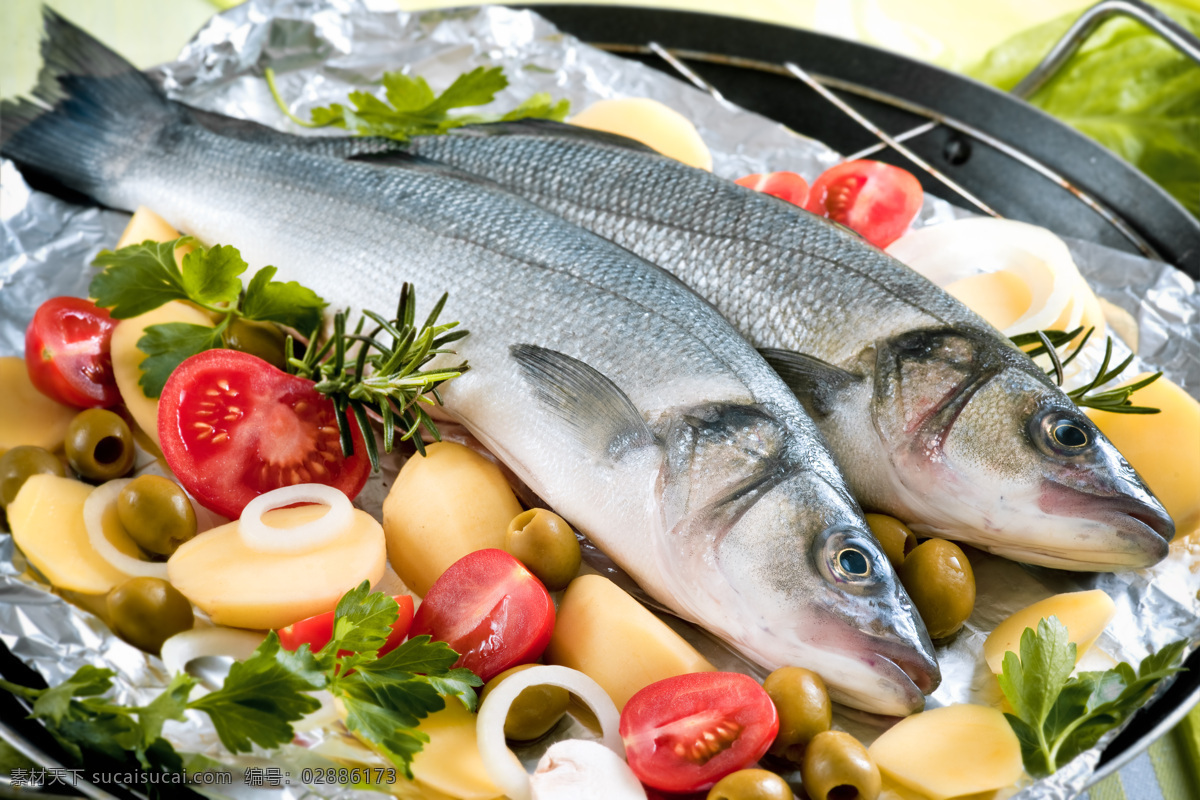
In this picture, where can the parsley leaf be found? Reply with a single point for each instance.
(262, 696)
(143, 277)
(410, 108)
(385, 698)
(1057, 716)
(285, 303)
(1033, 682)
(391, 732)
(362, 620)
(169, 705)
(88, 681)
(78, 717)
(151, 747)
(211, 275)
(138, 278)
(167, 346)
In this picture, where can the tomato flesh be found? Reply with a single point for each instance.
(233, 427)
(785, 185)
(875, 199)
(316, 631)
(491, 610)
(68, 355)
(684, 734)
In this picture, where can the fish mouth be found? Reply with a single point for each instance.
(886, 677)
(1129, 529)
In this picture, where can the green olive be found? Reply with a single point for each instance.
(938, 578)
(802, 701)
(894, 537)
(546, 545)
(837, 766)
(147, 611)
(751, 784)
(262, 339)
(535, 711)
(99, 445)
(156, 513)
(19, 463)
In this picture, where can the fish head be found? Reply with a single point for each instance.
(777, 551)
(987, 449)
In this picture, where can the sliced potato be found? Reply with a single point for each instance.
(651, 123)
(28, 417)
(614, 640)
(1164, 448)
(950, 752)
(245, 588)
(145, 225)
(47, 524)
(450, 762)
(444, 505)
(1085, 615)
(127, 359)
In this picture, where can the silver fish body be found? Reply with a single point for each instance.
(933, 416)
(617, 394)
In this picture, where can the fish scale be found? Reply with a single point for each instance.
(618, 395)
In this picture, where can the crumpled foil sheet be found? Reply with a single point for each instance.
(321, 51)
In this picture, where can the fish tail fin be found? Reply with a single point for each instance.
(89, 111)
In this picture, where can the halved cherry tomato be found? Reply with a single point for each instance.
(784, 185)
(67, 352)
(233, 427)
(317, 631)
(684, 734)
(875, 199)
(491, 610)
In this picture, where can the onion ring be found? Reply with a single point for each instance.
(184, 648)
(257, 535)
(103, 498)
(502, 766)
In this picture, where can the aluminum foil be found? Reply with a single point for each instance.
(322, 50)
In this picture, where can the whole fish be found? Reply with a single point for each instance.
(933, 415)
(617, 394)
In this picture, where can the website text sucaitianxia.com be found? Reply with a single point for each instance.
(266, 777)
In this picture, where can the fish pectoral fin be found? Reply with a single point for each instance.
(815, 382)
(602, 417)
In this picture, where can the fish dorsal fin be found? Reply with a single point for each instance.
(547, 128)
(603, 418)
(343, 147)
(815, 382)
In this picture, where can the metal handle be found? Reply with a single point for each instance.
(1178, 36)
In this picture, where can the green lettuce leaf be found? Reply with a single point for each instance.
(1126, 88)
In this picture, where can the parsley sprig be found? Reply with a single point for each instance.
(143, 277)
(410, 108)
(385, 698)
(1056, 717)
(365, 370)
(1115, 400)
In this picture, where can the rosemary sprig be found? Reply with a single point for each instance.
(1113, 400)
(362, 370)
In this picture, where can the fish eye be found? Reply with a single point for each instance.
(1068, 434)
(1061, 434)
(853, 563)
(850, 560)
